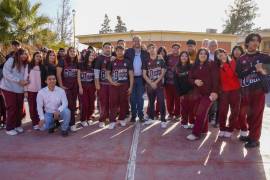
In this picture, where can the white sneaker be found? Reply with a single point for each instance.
(19, 129)
(36, 127)
(244, 133)
(164, 124)
(11, 132)
(90, 122)
(123, 123)
(191, 126)
(111, 125)
(73, 128)
(84, 123)
(185, 126)
(101, 124)
(213, 122)
(149, 121)
(221, 134)
(227, 134)
(192, 137)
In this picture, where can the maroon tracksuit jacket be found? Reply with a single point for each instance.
(103, 94)
(69, 78)
(87, 99)
(253, 94)
(209, 74)
(118, 94)
(153, 68)
(172, 98)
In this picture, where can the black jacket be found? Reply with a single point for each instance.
(130, 54)
(181, 81)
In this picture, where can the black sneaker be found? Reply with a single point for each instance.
(64, 133)
(244, 138)
(57, 124)
(142, 120)
(51, 130)
(133, 119)
(252, 144)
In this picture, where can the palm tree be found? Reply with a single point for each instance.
(19, 20)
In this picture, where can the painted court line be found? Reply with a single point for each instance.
(130, 174)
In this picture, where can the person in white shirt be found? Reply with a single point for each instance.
(52, 105)
(212, 46)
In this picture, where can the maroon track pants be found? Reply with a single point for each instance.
(72, 95)
(87, 100)
(229, 99)
(201, 109)
(187, 111)
(2, 110)
(32, 101)
(254, 101)
(103, 97)
(118, 101)
(14, 109)
(172, 100)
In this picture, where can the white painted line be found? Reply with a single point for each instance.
(130, 174)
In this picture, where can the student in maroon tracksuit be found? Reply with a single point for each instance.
(241, 123)
(204, 76)
(172, 98)
(184, 89)
(34, 73)
(87, 89)
(67, 78)
(120, 75)
(101, 82)
(154, 70)
(229, 96)
(253, 91)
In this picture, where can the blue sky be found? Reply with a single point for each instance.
(182, 15)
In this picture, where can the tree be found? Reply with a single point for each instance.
(105, 27)
(240, 17)
(121, 26)
(64, 22)
(19, 20)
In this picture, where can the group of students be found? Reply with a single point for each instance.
(194, 86)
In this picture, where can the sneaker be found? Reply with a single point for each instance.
(123, 123)
(111, 125)
(243, 133)
(64, 133)
(149, 121)
(191, 126)
(244, 138)
(101, 124)
(90, 122)
(192, 137)
(185, 126)
(142, 120)
(19, 129)
(36, 127)
(133, 119)
(227, 134)
(164, 125)
(73, 128)
(177, 118)
(170, 117)
(12, 132)
(84, 123)
(252, 144)
(221, 134)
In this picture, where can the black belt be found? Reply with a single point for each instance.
(137, 76)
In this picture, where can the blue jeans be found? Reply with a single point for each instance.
(49, 120)
(136, 99)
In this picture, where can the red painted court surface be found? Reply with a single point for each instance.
(137, 152)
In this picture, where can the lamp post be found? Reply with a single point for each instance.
(73, 14)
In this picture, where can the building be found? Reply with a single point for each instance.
(161, 38)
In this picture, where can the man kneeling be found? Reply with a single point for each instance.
(52, 105)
